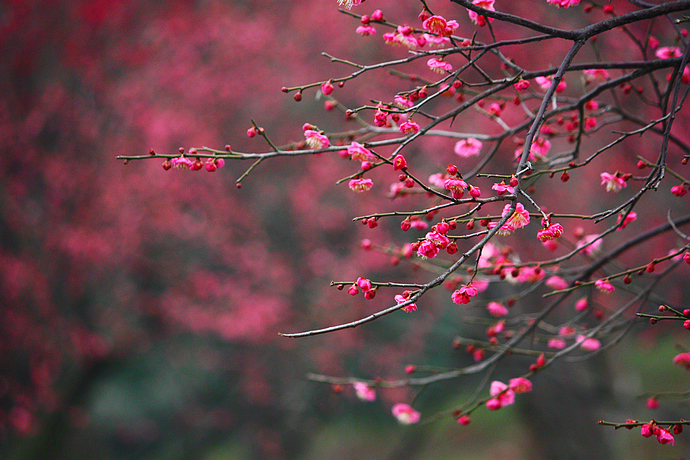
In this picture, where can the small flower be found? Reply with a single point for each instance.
(563, 3)
(502, 188)
(439, 25)
(496, 309)
(456, 186)
(504, 396)
(647, 430)
(604, 286)
(613, 182)
(595, 74)
(360, 153)
(439, 65)
(582, 304)
(409, 127)
(682, 360)
(520, 385)
(405, 414)
(551, 232)
(463, 295)
(631, 217)
(361, 185)
(665, 437)
(315, 139)
(181, 163)
(652, 403)
(365, 30)
(521, 85)
(349, 3)
(678, 190)
(478, 19)
(668, 52)
(589, 244)
(464, 420)
(327, 88)
(588, 344)
(364, 391)
(520, 216)
(363, 283)
(556, 282)
(399, 163)
(407, 308)
(467, 147)
(427, 250)
(557, 344)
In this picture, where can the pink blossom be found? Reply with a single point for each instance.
(427, 249)
(439, 25)
(439, 65)
(399, 163)
(647, 430)
(181, 163)
(361, 185)
(360, 153)
(364, 391)
(380, 117)
(502, 188)
(563, 3)
(363, 283)
(557, 344)
(553, 231)
(594, 74)
(665, 437)
(668, 52)
(566, 331)
(582, 304)
(467, 147)
(365, 30)
(456, 186)
(463, 296)
(604, 286)
(521, 85)
(435, 40)
(409, 127)
(407, 308)
(530, 274)
(556, 282)
(682, 360)
(613, 182)
(418, 224)
(496, 309)
(504, 396)
(349, 3)
(315, 139)
(545, 83)
(588, 344)
(589, 244)
(464, 420)
(678, 190)
(438, 239)
(520, 385)
(405, 414)
(652, 403)
(478, 19)
(519, 219)
(631, 217)
(403, 102)
(540, 148)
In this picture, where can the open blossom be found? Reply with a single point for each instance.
(361, 185)
(439, 65)
(463, 295)
(665, 437)
(467, 147)
(563, 3)
(557, 344)
(477, 18)
(612, 181)
(405, 414)
(435, 40)
(545, 83)
(504, 396)
(552, 232)
(407, 308)
(402, 101)
(540, 148)
(315, 139)
(520, 385)
(456, 186)
(604, 286)
(668, 52)
(439, 25)
(427, 249)
(502, 188)
(556, 282)
(588, 344)
(496, 309)
(409, 127)
(631, 217)
(589, 244)
(520, 216)
(594, 74)
(365, 30)
(682, 360)
(360, 153)
(349, 3)
(364, 391)
(181, 163)
(530, 274)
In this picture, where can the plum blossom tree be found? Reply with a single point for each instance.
(579, 213)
